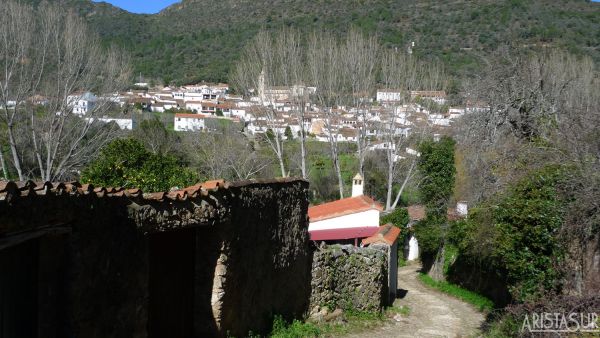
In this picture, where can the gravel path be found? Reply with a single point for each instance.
(432, 314)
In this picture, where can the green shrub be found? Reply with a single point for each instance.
(296, 329)
(126, 163)
(398, 217)
(516, 234)
(527, 221)
(436, 165)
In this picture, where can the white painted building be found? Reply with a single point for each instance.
(124, 124)
(189, 122)
(388, 95)
(348, 219)
(195, 106)
(82, 103)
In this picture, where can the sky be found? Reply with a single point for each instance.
(141, 6)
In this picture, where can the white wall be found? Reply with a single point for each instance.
(413, 249)
(369, 218)
(188, 124)
(389, 96)
(126, 124)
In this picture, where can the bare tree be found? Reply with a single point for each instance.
(290, 72)
(51, 60)
(360, 56)
(156, 137)
(258, 72)
(403, 73)
(226, 153)
(326, 73)
(531, 109)
(20, 69)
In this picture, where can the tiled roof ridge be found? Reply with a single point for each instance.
(387, 233)
(342, 207)
(12, 189)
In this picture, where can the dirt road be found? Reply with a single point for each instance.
(432, 314)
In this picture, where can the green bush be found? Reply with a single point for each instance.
(126, 163)
(436, 165)
(430, 234)
(527, 221)
(398, 217)
(517, 234)
(296, 329)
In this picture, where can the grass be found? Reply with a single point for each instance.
(355, 321)
(403, 310)
(480, 302)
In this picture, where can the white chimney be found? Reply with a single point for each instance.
(462, 208)
(357, 185)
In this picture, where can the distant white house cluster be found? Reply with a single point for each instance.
(392, 111)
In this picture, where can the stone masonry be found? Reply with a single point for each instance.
(347, 277)
(215, 259)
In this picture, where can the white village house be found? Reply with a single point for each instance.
(346, 220)
(388, 95)
(189, 122)
(82, 103)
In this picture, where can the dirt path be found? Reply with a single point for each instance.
(432, 314)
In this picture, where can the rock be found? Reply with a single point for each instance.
(315, 310)
(324, 311)
(316, 318)
(336, 314)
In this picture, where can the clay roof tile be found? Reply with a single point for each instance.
(387, 234)
(342, 207)
(416, 212)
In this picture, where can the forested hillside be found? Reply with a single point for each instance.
(199, 39)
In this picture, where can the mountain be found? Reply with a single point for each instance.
(200, 39)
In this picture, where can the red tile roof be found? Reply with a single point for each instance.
(191, 116)
(386, 234)
(416, 212)
(346, 206)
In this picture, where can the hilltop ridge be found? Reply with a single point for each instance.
(199, 39)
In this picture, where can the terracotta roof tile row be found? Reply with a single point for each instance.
(386, 234)
(10, 189)
(342, 207)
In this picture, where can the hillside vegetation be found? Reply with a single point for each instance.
(200, 39)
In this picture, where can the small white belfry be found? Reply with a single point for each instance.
(357, 185)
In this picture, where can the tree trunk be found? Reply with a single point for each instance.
(3, 163)
(339, 175)
(437, 269)
(390, 184)
(406, 179)
(15, 154)
(303, 150)
(280, 155)
(336, 164)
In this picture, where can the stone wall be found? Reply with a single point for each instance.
(265, 259)
(348, 277)
(194, 263)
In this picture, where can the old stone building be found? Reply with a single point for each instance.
(214, 259)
